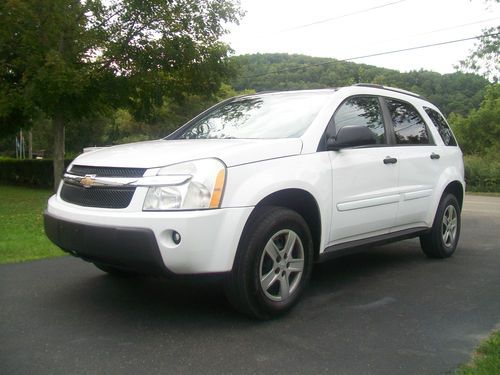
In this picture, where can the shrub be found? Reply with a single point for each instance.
(37, 173)
(482, 173)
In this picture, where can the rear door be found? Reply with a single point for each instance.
(420, 164)
(365, 179)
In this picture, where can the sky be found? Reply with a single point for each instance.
(345, 29)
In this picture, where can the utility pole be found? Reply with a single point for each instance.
(22, 152)
(30, 145)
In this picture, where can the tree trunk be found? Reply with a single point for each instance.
(58, 124)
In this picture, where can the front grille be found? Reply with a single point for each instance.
(104, 197)
(100, 196)
(82, 170)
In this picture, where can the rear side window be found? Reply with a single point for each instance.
(362, 111)
(409, 127)
(442, 127)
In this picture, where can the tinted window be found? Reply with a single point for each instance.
(364, 111)
(284, 115)
(409, 127)
(442, 127)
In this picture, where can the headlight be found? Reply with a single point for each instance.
(201, 187)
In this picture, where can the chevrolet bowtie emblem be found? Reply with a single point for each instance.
(88, 180)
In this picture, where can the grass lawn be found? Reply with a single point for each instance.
(21, 231)
(486, 359)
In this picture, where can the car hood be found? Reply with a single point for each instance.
(152, 154)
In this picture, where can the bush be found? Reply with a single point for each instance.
(37, 173)
(482, 174)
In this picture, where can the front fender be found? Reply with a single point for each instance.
(248, 184)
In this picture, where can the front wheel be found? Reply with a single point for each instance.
(272, 265)
(442, 241)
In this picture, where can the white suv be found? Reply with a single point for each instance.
(260, 187)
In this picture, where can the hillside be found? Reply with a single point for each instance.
(457, 92)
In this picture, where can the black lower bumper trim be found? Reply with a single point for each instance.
(133, 249)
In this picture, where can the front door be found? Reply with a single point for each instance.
(365, 179)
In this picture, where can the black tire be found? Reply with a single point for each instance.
(272, 226)
(116, 272)
(436, 244)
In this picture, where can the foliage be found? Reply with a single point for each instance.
(482, 173)
(43, 45)
(486, 359)
(478, 135)
(457, 92)
(69, 59)
(21, 234)
(479, 132)
(484, 58)
(36, 173)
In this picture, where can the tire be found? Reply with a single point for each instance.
(116, 272)
(442, 240)
(272, 265)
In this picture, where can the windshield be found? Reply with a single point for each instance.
(282, 115)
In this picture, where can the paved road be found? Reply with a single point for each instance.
(388, 310)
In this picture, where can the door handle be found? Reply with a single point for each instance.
(389, 160)
(435, 156)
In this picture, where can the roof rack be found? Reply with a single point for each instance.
(395, 89)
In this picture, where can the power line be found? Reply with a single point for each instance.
(342, 16)
(456, 26)
(438, 30)
(371, 55)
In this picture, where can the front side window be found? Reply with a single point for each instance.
(442, 127)
(283, 115)
(361, 111)
(409, 127)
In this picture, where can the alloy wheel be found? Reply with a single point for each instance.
(281, 265)
(449, 226)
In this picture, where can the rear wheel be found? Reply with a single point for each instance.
(442, 241)
(272, 265)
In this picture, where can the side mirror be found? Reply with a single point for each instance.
(350, 136)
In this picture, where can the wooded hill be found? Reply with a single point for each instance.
(456, 92)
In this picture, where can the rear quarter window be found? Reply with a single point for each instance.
(442, 127)
(409, 127)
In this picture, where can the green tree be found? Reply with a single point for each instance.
(74, 59)
(479, 132)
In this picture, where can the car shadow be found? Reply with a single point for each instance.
(164, 303)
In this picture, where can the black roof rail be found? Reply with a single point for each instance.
(289, 90)
(395, 89)
(369, 85)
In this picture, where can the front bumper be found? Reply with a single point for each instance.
(142, 241)
(126, 248)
